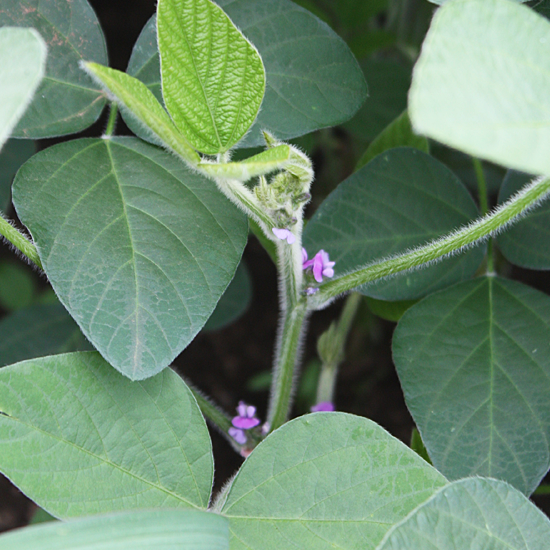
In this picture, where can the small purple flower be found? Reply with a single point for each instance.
(310, 291)
(320, 264)
(246, 418)
(322, 267)
(323, 406)
(284, 235)
(238, 435)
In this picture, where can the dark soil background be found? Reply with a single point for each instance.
(223, 363)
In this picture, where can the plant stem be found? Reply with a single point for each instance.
(211, 412)
(484, 207)
(112, 120)
(476, 232)
(240, 195)
(22, 243)
(331, 350)
(288, 344)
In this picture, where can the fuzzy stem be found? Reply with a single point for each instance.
(112, 120)
(210, 411)
(240, 195)
(505, 214)
(288, 345)
(22, 243)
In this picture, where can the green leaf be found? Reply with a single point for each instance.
(142, 107)
(142, 530)
(67, 101)
(14, 153)
(22, 63)
(39, 330)
(465, 84)
(463, 166)
(138, 247)
(313, 80)
(234, 302)
(326, 480)
(398, 133)
(401, 199)
(388, 85)
(17, 286)
(390, 311)
(525, 243)
(474, 364)
(472, 513)
(82, 439)
(213, 79)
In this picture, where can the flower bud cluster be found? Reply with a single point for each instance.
(286, 193)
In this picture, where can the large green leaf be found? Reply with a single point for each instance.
(472, 513)
(67, 101)
(22, 64)
(474, 364)
(14, 153)
(397, 133)
(78, 438)
(213, 79)
(389, 82)
(138, 248)
(402, 198)
(327, 480)
(234, 302)
(527, 242)
(42, 329)
(143, 530)
(481, 83)
(313, 80)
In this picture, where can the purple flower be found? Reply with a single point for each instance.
(310, 291)
(320, 264)
(238, 435)
(323, 406)
(284, 235)
(246, 418)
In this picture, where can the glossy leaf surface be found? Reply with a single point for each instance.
(138, 248)
(83, 439)
(474, 364)
(143, 530)
(327, 480)
(481, 83)
(313, 81)
(527, 242)
(22, 65)
(472, 513)
(39, 330)
(401, 199)
(213, 79)
(66, 101)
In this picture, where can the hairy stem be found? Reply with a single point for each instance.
(22, 243)
(476, 232)
(112, 120)
(288, 345)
